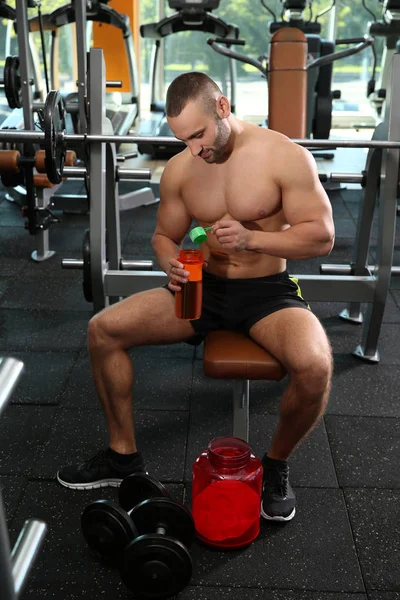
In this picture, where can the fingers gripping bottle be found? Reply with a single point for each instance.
(226, 497)
(188, 302)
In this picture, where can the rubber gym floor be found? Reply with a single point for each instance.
(344, 542)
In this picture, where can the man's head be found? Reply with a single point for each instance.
(197, 113)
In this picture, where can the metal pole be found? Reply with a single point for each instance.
(24, 61)
(25, 552)
(333, 21)
(10, 372)
(25, 64)
(6, 577)
(80, 19)
(386, 226)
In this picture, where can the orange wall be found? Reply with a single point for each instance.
(110, 39)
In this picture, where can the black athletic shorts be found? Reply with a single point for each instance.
(237, 304)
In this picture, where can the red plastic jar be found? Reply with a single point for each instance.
(188, 302)
(226, 497)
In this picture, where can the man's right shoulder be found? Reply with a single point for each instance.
(174, 173)
(179, 160)
(176, 166)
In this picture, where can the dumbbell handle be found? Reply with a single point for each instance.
(160, 530)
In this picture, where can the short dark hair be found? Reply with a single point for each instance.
(191, 86)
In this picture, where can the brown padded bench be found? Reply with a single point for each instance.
(232, 355)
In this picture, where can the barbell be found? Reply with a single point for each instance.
(54, 139)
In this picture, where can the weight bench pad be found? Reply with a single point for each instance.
(233, 355)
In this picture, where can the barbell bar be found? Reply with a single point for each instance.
(20, 136)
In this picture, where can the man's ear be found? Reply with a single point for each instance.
(223, 107)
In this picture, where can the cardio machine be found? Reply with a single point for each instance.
(190, 15)
(320, 95)
(321, 55)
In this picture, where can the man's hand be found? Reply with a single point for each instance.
(177, 274)
(231, 235)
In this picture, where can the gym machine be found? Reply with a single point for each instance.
(388, 27)
(191, 15)
(123, 114)
(102, 263)
(15, 566)
(11, 81)
(72, 196)
(34, 191)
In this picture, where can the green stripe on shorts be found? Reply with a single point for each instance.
(296, 281)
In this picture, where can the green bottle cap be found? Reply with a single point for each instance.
(198, 234)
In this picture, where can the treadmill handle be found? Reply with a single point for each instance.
(229, 41)
(330, 58)
(236, 55)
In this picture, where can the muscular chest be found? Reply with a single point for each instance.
(243, 194)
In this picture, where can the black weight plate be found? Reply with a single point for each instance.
(138, 487)
(107, 529)
(177, 521)
(87, 271)
(156, 566)
(54, 143)
(12, 82)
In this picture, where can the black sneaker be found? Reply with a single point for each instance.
(97, 472)
(278, 499)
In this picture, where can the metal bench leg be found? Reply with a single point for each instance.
(241, 409)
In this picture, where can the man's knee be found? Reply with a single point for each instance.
(99, 333)
(314, 373)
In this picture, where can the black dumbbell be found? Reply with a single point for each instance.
(157, 563)
(107, 527)
(148, 542)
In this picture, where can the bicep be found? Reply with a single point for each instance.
(303, 196)
(173, 219)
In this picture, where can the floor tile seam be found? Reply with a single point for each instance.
(354, 219)
(330, 450)
(66, 383)
(391, 290)
(185, 462)
(10, 347)
(273, 588)
(371, 488)
(361, 416)
(45, 311)
(99, 409)
(35, 404)
(356, 416)
(363, 575)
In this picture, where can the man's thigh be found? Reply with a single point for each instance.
(294, 336)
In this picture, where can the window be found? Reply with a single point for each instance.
(187, 51)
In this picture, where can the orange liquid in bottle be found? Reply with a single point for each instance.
(188, 302)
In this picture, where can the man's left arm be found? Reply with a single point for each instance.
(307, 210)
